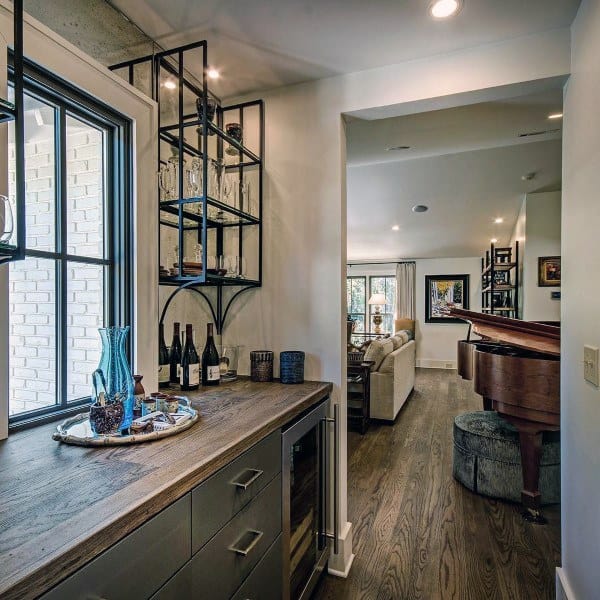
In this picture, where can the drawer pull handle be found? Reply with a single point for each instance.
(245, 551)
(255, 474)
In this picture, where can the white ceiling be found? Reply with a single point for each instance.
(260, 44)
(465, 191)
(461, 129)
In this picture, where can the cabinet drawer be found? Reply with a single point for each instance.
(225, 562)
(139, 564)
(265, 582)
(219, 498)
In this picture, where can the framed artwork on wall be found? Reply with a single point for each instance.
(443, 292)
(549, 271)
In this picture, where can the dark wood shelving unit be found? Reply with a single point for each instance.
(201, 217)
(500, 281)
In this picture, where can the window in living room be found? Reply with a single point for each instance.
(356, 295)
(386, 285)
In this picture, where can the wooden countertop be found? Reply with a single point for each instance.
(60, 505)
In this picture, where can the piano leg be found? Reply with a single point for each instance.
(488, 403)
(531, 454)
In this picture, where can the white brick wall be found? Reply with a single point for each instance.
(32, 297)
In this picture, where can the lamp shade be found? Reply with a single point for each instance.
(377, 299)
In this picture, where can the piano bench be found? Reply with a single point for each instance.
(487, 458)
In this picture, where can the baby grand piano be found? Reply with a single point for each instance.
(515, 366)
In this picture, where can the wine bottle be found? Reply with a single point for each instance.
(163, 358)
(190, 364)
(211, 373)
(175, 356)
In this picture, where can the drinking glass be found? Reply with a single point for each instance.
(7, 223)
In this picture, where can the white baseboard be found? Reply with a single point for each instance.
(340, 563)
(430, 363)
(563, 588)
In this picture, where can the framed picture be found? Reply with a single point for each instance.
(549, 271)
(443, 292)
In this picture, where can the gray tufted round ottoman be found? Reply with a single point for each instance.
(487, 458)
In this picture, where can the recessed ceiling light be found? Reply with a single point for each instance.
(395, 227)
(442, 9)
(499, 220)
(494, 241)
(555, 116)
(392, 148)
(170, 84)
(213, 73)
(420, 208)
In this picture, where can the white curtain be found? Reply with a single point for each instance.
(405, 290)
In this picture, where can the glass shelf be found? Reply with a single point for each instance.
(239, 218)
(211, 279)
(167, 135)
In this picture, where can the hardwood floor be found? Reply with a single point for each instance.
(417, 532)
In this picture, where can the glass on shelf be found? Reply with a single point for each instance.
(233, 130)
(6, 221)
(211, 108)
(193, 177)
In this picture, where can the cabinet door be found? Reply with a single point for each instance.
(139, 564)
(223, 495)
(179, 587)
(265, 582)
(225, 562)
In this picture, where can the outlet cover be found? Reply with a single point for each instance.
(590, 365)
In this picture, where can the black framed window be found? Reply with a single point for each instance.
(386, 285)
(356, 287)
(75, 277)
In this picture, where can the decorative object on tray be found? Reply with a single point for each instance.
(139, 393)
(153, 426)
(291, 366)
(443, 292)
(549, 271)
(261, 365)
(112, 382)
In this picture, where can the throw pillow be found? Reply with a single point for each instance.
(377, 351)
(403, 335)
(387, 364)
(397, 341)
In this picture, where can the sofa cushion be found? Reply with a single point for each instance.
(377, 351)
(397, 341)
(387, 364)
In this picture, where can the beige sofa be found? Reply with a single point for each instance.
(393, 375)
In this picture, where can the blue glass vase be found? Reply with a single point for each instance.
(113, 376)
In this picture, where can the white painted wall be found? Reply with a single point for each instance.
(543, 239)
(47, 49)
(580, 401)
(436, 342)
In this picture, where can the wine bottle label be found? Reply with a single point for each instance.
(193, 374)
(163, 373)
(213, 373)
(194, 377)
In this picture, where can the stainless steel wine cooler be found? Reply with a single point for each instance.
(305, 458)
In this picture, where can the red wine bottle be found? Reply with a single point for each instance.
(211, 373)
(175, 356)
(190, 363)
(163, 358)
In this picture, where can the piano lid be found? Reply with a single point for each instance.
(522, 334)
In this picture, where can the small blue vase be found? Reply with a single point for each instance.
(114, 372)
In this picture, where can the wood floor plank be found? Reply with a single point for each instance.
(419, 534)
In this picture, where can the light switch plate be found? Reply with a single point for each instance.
(590, 364)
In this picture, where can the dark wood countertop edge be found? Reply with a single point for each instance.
(41, 578)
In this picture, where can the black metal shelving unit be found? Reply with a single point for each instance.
(190, 135)
(500, 281)
(14, 112)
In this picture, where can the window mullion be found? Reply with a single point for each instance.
(61, 296)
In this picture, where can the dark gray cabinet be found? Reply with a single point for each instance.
(218, 540)
(139, 564)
